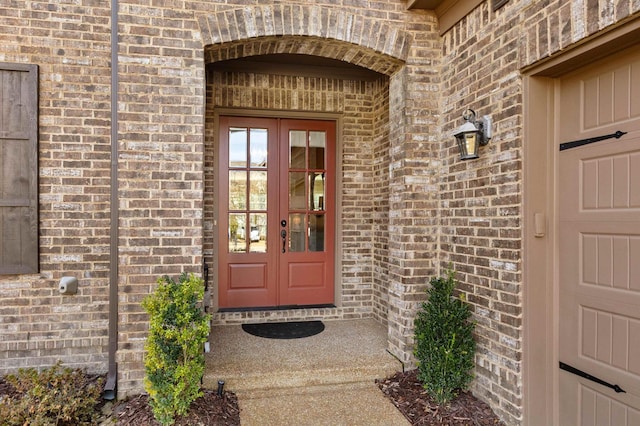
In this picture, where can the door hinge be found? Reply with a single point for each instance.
(575, 144)
(588, 376)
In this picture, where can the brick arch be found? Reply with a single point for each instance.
(304, 29)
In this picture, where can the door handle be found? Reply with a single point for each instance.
(283, 234)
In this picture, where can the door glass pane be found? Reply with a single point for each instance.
(316, 189)
(316, 232)
(317, 144)
(237, 147)
(258, 235)
(297, 199)
(258, 190)
(297, 149)
(237, 190)
(258, 148)
(237, 242)
(296, 232)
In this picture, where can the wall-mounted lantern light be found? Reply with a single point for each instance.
(472, 134)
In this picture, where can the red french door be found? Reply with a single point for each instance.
(276, 212)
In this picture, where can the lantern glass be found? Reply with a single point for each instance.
(468, 144)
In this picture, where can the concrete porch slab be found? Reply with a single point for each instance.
(345, 352)
(303, 381)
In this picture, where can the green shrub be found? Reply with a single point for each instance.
(174, 361)
(445, 347)
(55, 396)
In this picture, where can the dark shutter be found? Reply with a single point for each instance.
(18, 168)
(497, 4)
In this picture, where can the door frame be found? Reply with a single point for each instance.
(540, 200)
(337, 205)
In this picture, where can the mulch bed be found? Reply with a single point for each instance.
(408, 395)
(209, 409)
(403, 389)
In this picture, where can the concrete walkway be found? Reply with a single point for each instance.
(327, 379)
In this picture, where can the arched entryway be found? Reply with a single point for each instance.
(309, 89)
(357, 72)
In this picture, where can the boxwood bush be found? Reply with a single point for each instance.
(174, 359)
(444, 344)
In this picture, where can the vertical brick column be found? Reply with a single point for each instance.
(414, 173)
(161, 119)
(413, 200)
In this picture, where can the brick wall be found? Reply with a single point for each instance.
(70, 44)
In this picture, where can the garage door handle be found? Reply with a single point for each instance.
(588, 376)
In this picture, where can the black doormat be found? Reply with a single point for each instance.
(285, 330)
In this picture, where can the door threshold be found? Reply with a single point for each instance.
(276, 308)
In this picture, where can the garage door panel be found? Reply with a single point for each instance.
(610, 260)
(605, 337)
(580, 395)
(600, 98)
(598, 181)
(586, 403)
(599, 255)
(606, 95)
(606, 181)
(599, 409)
